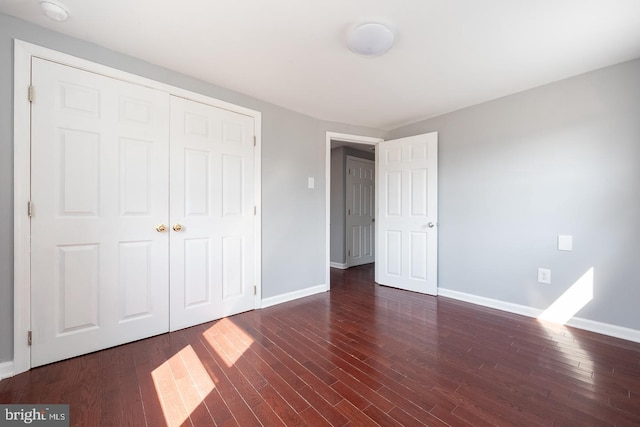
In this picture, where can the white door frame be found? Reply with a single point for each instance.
(23, 52)
(359, 139)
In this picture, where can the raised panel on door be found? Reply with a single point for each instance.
(360, 198)
(135, 180)
(99, 187)
(407, 213)
(135, 287)
(392, 253)
(212, 194)
(77, 278)
(197, 272)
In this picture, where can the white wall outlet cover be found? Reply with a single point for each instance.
(311, 182)
(565, 243)
(544, 276)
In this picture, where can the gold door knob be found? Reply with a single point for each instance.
(161, 228)
(177, 227)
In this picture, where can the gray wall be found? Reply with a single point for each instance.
(293, 148)
(515, 172)
(338, 199)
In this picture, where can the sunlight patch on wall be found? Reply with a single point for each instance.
(182, 383)
(569, 303)
(228, 340)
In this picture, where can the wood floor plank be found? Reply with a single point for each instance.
(325, 408)
(361, 354)
(280, 406)
(313, 418)
(369, 395)
(356, 417)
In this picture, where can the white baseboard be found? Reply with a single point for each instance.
(279, 299)
(6, 370)
(491, 303)
(576, 322)
(606, 329)
(339, 265)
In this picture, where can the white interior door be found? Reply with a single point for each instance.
(407, 218)
(99, 188)
(360, 198)
(212, 201)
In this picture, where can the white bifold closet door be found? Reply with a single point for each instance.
(143, 212)
(99, 187)
(212, 204)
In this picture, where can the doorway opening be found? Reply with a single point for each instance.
(360, 152)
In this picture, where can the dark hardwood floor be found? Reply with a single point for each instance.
(361, 354)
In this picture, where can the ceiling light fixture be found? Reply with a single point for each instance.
(54, 10)
(370, 39)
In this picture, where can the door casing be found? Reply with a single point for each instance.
(337, 136)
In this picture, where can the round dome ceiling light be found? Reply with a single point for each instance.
(370, 39)
(54, 10)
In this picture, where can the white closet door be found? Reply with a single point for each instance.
(212, 213)
(407, 218)
(99, 268)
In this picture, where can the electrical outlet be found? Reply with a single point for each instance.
(544, 276)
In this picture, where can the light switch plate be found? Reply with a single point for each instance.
(311, 182)
(565, 243)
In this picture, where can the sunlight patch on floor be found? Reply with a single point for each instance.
(182, 383)
(554, 318)
(228, 340)
(569, 303)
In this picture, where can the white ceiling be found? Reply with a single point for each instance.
(449, 54)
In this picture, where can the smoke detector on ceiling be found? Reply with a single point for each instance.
(55, 10)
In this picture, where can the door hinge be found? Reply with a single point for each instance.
(31, 93)
(29, 337)
(348, 211)
(255, 210)
(30, 208)
(254, 140)
(349, 252)
(255, 290)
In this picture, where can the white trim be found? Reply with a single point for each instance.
(576, 322)
(6, 370)
(491, 303)
(291, 296)
(605, 329)
(23, 52)
(327, 174)
(340, 265)
(21, 196)
(257, 195)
